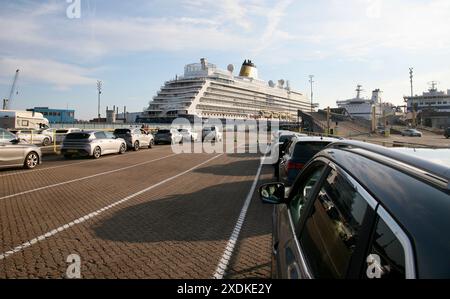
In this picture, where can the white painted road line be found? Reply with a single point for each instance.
(96, 213)
(226, 257)
(84, 178)
(23, 172)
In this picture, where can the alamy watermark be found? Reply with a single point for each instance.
(232, 137)
(73, 11)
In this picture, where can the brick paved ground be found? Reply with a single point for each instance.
(178, 229)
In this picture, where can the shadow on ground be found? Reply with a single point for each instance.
(209, 214)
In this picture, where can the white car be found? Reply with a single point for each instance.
(188, 135)
(40, 137)
(61, 133)
(92, 143)
(211, 133)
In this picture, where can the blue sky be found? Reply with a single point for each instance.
(134, 46)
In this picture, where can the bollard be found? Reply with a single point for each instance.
(54, 141)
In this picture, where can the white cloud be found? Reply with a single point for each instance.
(60, 75)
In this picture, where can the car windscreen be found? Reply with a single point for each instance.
(75, 136)
(122, 131)
(285, 138)
(304, 151)
(163, 132)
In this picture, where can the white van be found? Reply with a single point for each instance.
(22, 120)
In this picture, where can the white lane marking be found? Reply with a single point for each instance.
(84, 178)
(22, 172)
(96, 213)
(227, 254)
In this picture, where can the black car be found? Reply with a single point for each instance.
(297, 154)
(447, 133)
(362, 211)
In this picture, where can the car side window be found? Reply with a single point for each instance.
(331, 231)
(386, 257)
(100, 135)
(303, 192)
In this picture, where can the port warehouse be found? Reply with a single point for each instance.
(56, 115)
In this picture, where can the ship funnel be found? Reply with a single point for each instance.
(249, 70)
(204, 63)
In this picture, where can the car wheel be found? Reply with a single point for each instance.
(136, 146)
(46, 141)
(123, 148)
(151, 144)
(97, 152)
(31, 160)
(67, 156)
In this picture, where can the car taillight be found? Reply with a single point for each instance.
(293, 165)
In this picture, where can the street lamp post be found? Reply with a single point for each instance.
(99, 89)
(311, 82)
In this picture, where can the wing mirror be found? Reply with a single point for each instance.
(273, 193)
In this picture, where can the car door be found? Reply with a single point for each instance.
(336, 229)
(105, 146)
(288, 218)
(10, 154)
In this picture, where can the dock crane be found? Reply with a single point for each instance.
(7, 101)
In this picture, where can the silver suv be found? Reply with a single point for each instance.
(93, 144)
(15, 154)
(135, 137)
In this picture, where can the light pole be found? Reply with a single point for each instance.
(312, 94)
(99, 89)
(411, 76)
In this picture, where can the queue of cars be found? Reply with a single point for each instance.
(19, 147)
(353, 211)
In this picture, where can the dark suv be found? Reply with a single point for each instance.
(362, 211)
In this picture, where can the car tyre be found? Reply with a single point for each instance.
(31, 160)
(46, 141)
(97, 152)
(123, 148)
(136, 146)
(151, 144)
(66, 156)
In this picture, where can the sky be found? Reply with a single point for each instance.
(135, 46)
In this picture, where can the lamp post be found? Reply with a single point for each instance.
(99, 89)
(312, 94)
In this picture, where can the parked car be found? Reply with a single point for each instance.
(188, 135)
(447, 133)
(411, 133)
(40, 137)
(16, 154)
(62, 133)
(171, 136)
(211, 133)
(297, 154)
(353, 213)
(279, 141)
(135, 137)
(92, 143)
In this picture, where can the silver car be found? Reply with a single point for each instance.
(15, 154)
(411, 133)
(135, 138)
(38, 137)
(93, 144)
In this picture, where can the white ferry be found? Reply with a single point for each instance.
(362, 107)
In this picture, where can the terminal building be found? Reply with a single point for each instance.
(56, 115)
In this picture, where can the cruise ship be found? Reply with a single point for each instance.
(206, 91)
(362, 107)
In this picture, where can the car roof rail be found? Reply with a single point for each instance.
(412, 164)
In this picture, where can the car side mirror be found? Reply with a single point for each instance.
(273, 193)
(15, 141)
